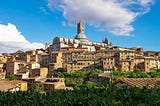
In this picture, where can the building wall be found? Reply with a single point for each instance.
(2, 75)
(33, 65)
(20, 76)
(109, 63)
(23, 86)
(44, 61)
(55, 62)
(1, 67)
(3, 59)
(42, 72)
(126, 55)
(13, 67)
(149, 63)
(59, 43)
(79, 65)
(127, 66)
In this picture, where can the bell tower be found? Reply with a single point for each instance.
(81, 32)
(80, 27)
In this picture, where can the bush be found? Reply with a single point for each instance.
(60, 74)
(103, 96)
(12, 77)
(38, 87)
(89, 84)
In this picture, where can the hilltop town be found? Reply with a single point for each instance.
(71, 55)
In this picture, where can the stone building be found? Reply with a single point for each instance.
(22, 73)
(100, 79)
(15, 85)
(55, 62)
(41, 72)
(44, 60)
(109, 64)
(50, 84)
(13, 67)
(3, 58)
(79, 53)
(80, 41)
(2, 75)
(149, 63)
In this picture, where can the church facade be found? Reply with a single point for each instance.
(80, 41)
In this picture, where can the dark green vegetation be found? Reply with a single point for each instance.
(81, 74)
(86, 93)
(12, 77)
(78, 79)
(105, 96)
(38, 87)
(137, 73)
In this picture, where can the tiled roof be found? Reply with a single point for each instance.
(140, 82)
(23, 70)
(6, 85)
(106, 75)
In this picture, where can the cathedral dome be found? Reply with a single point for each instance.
(81, 36)
(80, 32)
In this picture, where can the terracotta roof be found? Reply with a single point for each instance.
(106, 74)
(23, 70)
(6, 85)
(140, 82)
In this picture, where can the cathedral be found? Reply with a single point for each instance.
(80, 41)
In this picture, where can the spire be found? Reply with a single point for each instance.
(107, 41)
(80, 27)
(81, 32)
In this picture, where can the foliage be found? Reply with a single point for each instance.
(137, 73)
(12, 77)
(105, 96)
(89, 84)
(60, 74)
(155, 69)
(70, 82)
(78, 73)
(38, 87)
(79, 78)
(138, 70)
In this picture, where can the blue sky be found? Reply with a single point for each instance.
(127, 23)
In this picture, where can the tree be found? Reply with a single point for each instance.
(90, 84)
(60, 74)
(12, 77)
(132, 75)
(137, 70)
(38, 87)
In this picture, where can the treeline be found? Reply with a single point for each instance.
(79, 78)
(81, 74)
(137, 73)
(86, 96)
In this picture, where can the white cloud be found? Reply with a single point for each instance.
(146, 2)
(115, 16)
(12, 40)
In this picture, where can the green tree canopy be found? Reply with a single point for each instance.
(38, 87)
(12, 77)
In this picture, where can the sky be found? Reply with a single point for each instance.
(29, 24)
